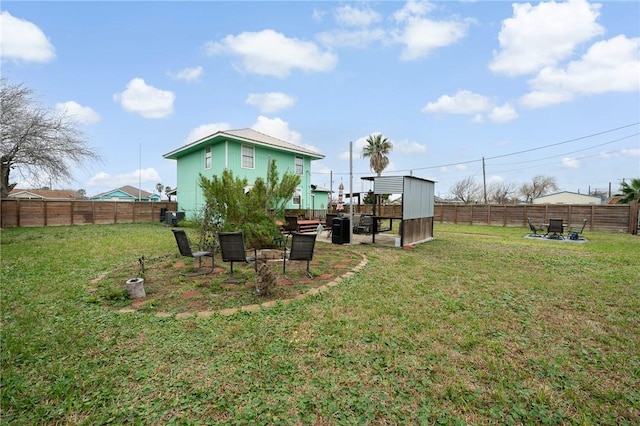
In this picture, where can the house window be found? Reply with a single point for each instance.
(248, 154)
(299, 166)
(207, 157)
(296, 198)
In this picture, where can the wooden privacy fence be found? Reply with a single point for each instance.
(24, 213)
(605, 217)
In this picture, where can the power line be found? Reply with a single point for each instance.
(571, 152)
(564, 142)
(518, 152)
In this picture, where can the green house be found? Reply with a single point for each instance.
(246, 153)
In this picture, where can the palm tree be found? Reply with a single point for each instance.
(377, 149)
(630, 192)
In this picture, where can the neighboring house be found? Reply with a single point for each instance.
(320, 197)
(566, 197)
(246, 153)
(44, 194)
(126, 193)
(172, 195)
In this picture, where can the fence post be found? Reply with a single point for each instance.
(633, 218)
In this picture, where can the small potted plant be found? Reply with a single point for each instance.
(135, 286)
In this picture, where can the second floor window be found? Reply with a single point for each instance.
(299, 166)
(207, 157)
(247, 156)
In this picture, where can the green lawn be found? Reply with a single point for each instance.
(479, 326)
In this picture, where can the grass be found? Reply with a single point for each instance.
(479, 326)
(168, 292)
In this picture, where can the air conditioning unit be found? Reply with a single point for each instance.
(173, 218)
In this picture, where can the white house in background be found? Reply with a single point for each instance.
(566, 197)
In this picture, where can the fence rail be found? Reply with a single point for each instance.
(605, 217)
(25, 213)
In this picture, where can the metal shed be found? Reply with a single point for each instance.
(416, 222)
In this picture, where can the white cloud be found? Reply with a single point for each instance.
(187, 74)
(503, 114)
(270, 102)
(421, 35)
(543, 35)
(353, 39)
(478, 119)
(277, 128)
(102, 179)
(631, 152)
(149, 102)
(538, 99)
(271, 53)
(608, 66)
(413, 8)
(318, 15)
(355, 17)
(21, 40)
(78, 113)
(463, 102)
(570, 163)
(205, 130)
(411, 148)
(461, 167)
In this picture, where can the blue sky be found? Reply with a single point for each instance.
(535, 88)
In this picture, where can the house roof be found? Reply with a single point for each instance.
(243, 135)
(316, 188)
(50, 194)
(128, 190)
(567, 192)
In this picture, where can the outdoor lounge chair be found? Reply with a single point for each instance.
(232, 250)
(556, 229)
(302, 247)
(185, 250)
(534, 229)
(574, 233)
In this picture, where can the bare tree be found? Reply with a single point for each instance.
(467, 190)
(540, 185)
(36, 143)
(501, 192)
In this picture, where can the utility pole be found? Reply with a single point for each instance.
(140, 173)
(484, 181)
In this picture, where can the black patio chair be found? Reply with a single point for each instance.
(302, 247)
(232, 250)
(186, 250)
(534, 229)
(574, 233)
(556, 229)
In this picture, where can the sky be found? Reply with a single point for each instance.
(533, 88)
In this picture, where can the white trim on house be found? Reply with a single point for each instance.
(247, 135)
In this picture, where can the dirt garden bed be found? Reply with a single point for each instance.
(169, 292)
